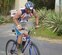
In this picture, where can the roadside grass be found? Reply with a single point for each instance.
(45, 33)
(5, 19)
(46, 30)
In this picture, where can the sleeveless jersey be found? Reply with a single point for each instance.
(24, 17)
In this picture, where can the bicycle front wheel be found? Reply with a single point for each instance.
(11, 48)
(33, 50)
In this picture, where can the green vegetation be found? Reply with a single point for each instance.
(46, 33)
(49, 4)
(50, 24)
(38, 3)
(6, 6)
(5, 19)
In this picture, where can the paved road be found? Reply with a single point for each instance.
(45, 47)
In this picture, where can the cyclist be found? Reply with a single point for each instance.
(21, 18)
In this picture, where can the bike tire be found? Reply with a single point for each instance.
(14, 46)
(35, 48)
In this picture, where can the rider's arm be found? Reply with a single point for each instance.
(15, 18)
(36, 17)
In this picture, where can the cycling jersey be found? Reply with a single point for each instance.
(24, 17)
(23, 21)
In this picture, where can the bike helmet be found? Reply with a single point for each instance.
(29, 5)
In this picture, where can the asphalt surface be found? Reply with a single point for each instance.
(45, 47)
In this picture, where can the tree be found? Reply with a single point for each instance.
(5, 6)
(49, 4)
(59, 8)
(38, 3)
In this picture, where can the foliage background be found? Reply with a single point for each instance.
(49, 4)
(6, 6)
(47, 17)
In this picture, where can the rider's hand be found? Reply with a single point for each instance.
(37, 26)
(19, 27)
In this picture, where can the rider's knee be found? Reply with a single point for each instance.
(26, 33)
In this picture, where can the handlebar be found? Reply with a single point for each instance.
(13, 30)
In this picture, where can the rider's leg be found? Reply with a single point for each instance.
(19, 41)
(25, 35)
(19, 38)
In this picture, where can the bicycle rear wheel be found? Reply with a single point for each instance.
(11, 48)
(33, 50)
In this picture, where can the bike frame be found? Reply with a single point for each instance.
(28, 41)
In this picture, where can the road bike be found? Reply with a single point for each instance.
(30, 48)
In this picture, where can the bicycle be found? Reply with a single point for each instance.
(11, 46)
